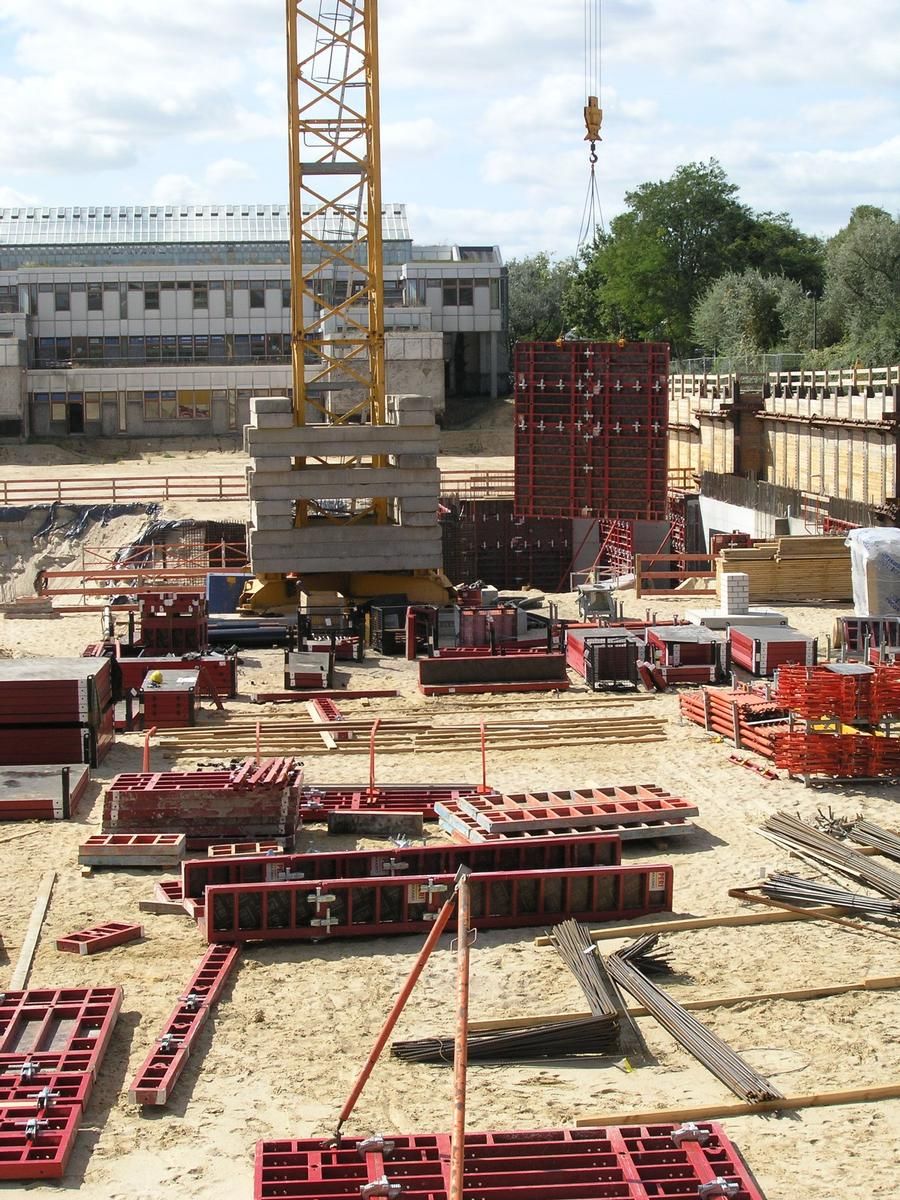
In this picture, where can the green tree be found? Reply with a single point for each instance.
(746, 313)
(776, 247)
(674, 239)
(537, 287)
(862, 289)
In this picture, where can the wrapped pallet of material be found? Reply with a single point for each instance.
(875, 566)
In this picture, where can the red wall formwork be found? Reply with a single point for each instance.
(592, 429)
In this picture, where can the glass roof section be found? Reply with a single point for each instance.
(173, 223)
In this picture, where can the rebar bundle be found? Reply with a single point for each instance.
(793, 889)
(573, 943)
(711, 1051)
(585, 1035)
(864, 833)
(809, 843)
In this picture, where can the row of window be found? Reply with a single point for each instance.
(200, 289)
(137, 350)
(169, 404)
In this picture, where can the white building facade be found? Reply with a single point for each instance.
(164, 321)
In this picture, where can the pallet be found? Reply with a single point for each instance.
(160, 1070)
(132, 850)
(633, 1161)
(100, 937)
(314, 911)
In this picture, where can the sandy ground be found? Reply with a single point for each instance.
(284, 1046)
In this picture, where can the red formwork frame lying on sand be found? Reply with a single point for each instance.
(52, 1042)
(584, 807)
(633, 1162)
(317, 802)
(313, 911)
(590, 850)
(100, 937)
(160, 1070)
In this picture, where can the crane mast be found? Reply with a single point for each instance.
(337, 264)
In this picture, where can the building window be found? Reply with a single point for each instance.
(201, 296)
(152, 349)
(58, 407)
(170, 347)
(151, 406)
(201, 348)
(257, 345)
(151, 297)
(62, 299)
(495, 293)
(286, 295)
(257, 294)
(95, 349)
(95, 297)
(92, 406)
(168, 405)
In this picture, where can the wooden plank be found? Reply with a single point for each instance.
(162, 907)
(712, 1112)
(890, 983)
(725, 921)
(19, 976)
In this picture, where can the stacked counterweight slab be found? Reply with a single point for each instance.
(333, 471)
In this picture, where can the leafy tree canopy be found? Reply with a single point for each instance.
(537, 286)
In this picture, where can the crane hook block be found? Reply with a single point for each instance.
(593, 119)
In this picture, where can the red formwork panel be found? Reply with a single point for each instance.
(228, 849)
(42, 792)
(100, 937)
(160, 1070)
(591, 429)
(590, 850)
(315, 910)
(173, 624)
(317, 802)
(654, 1162)
(54, 691)
(219, 670)
(38, 1144)
(132, 849)
(258, 801)
(621, 804)
(463, 827)
(57, 1022)
(761, 650)
(45, 1088)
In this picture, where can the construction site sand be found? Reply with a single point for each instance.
(281, 1051)
(283, 1048)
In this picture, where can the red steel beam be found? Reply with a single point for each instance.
(100, 937)
(160, 1070)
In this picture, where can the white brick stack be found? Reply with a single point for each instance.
(411, 480)
(735, 594)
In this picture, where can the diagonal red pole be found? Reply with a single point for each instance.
(431, 941)
(372, 787)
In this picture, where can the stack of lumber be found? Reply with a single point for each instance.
(237, 737)
(791, 568)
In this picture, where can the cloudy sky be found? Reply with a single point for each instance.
(137, 102)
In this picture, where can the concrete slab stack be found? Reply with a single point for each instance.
(410, 482)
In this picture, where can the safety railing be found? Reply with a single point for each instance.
(137, 489)
(678, 569)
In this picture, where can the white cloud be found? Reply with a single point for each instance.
(225, 171)
(419, 136)
(178, 189)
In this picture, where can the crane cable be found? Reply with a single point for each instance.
(592, 214)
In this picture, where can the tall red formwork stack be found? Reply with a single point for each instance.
(592, 429)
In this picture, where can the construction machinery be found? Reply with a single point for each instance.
(344, 481)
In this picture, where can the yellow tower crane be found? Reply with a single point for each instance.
(337, 281)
